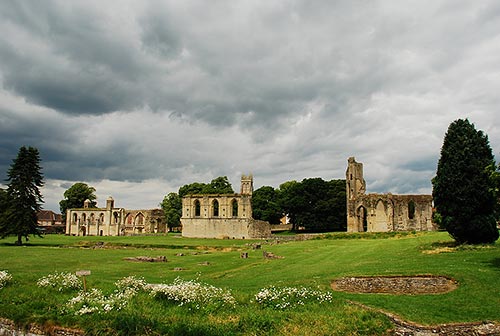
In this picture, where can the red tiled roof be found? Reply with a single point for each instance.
(46, 215)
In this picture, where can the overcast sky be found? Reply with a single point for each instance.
(137, 98)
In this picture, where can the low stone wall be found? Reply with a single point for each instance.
(9, 328)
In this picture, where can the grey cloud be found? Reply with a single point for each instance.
(187, 90)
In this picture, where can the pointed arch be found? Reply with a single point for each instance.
(139, 219)
(234, 208)
(129, 219)
(411, 209)
(381, 218)
(215, 208)
(197, 208)
(362, 218)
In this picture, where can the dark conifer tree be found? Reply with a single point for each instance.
(24, 197)
(462, 188)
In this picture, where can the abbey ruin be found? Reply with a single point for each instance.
(383, 212)
(111, 221)
(223, 215)
(230, 215)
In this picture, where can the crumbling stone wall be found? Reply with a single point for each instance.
(384, 212)
(111, 221)
(223, 215)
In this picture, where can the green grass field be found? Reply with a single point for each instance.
(312, 263)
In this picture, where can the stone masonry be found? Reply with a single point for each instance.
(223, 215)
(111, 221)
(384, 212)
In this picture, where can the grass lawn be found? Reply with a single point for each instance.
(312, 263)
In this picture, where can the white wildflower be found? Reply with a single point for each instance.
(60, 281)
(193, 294)
(5, 278)
(288, 297)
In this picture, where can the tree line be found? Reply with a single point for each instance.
(312, 204)
(466, 193)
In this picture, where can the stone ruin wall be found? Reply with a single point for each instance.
(387, 212)
(384, 212)
(111, 221)
(223, 216)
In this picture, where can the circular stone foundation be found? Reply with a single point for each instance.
(421, 284)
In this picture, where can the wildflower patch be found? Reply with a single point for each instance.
(5, 278)
(60, 281)
(289, 297)
(193, 294)
(95, 301)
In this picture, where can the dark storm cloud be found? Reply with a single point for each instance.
(132, 93)
(67, 58)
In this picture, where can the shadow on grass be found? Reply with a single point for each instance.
(28, 244)
(494, 263)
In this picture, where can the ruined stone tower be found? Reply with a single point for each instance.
(383, 212)
(356, 184)
(246, 185)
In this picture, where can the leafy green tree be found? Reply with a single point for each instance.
(172, 208)
(191, 189)
(315, 204)
(219, 185)
(292, 201)
(24, 198)
(75, 196)
(265, 205)
(462, 188)
(494, 172)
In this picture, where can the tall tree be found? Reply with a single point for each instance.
(191, 189)
(75, 196)
(172, 208)
(462, 188)
(315, 204)
(292, 201)
(265, 205)
(4, 202)
(219, 185)
(24, 197)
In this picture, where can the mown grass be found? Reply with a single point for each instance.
(313, 263)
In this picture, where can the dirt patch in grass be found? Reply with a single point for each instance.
(451, 246)
(409, 285)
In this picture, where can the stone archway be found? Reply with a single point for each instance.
(381, 218)
(362, 220)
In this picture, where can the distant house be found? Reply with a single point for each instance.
(50, 222)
